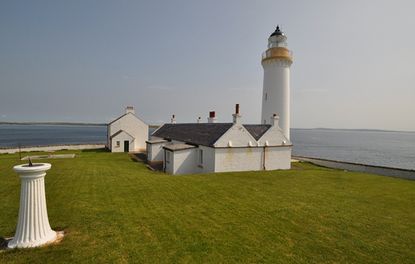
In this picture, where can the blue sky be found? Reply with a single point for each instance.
(87, 60)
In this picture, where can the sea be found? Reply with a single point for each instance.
(372, 147)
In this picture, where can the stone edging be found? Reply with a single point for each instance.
(380, 170)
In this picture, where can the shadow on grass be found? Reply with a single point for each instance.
(134, 160)
(3, 243)
(100, 150)
(138, 157)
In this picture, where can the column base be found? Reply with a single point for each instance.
(52, 238)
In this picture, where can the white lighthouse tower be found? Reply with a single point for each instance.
(276, 61)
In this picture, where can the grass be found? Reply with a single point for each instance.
(115, 210)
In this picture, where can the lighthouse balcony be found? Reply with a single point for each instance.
(277, 53)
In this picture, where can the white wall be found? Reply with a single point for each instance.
(238, 135)
(208, 160)
(238, 159)
(278, 158)
(188, 161)
(184, 161)
(250, 159)
(155, 151)
(134, 126)
(276, 93)
(274, 136)
(121, 138)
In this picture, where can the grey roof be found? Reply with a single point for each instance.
(205, 134)
(155, 141)
(257, 131)
(179, 146)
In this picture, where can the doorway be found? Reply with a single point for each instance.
(126, 146)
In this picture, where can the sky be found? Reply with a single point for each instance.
(84, 61)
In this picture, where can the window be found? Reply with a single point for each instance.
(118, 143)
(200, 157)
(266, 96)
(168, 156)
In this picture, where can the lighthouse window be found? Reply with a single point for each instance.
(266, 96)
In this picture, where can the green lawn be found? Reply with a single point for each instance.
(115, 210)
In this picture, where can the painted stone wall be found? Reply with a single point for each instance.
(134, 126)
(121, 138)
(238, 159)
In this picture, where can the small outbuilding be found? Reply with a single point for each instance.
(127, 133)
(219, 147)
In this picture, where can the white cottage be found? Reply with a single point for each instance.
(219, 147)
(127, 133)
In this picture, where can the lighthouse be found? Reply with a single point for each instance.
(276, 61)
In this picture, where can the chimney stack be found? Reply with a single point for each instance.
(212, 117)
(237, 115)
(274, 120)
(129, 109)
(173, 119)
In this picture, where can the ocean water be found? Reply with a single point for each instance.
(382, 148)
(390, 149)
(41, 135)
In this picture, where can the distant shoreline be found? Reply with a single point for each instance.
(61, 124)
(156, 126)
(53, 147)
(355, 129)
(54, 123)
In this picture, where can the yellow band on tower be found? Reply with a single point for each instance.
(277, 53)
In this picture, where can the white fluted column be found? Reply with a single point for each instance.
(33, 227)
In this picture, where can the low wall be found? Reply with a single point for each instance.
(52, 148)
(380, 170)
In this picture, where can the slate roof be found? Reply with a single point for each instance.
(257, 131)
(205, 134)
(155, 141)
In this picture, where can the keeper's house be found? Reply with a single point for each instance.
(128, 133)
(219, 147)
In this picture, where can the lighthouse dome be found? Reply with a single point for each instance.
(277, 39)
(277, 32)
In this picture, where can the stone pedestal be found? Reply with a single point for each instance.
(33, 227)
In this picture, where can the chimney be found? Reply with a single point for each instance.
(129, 109)
(237, 115)
(212, 117)
(173, 119)
(274, 120)
(198, 120)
